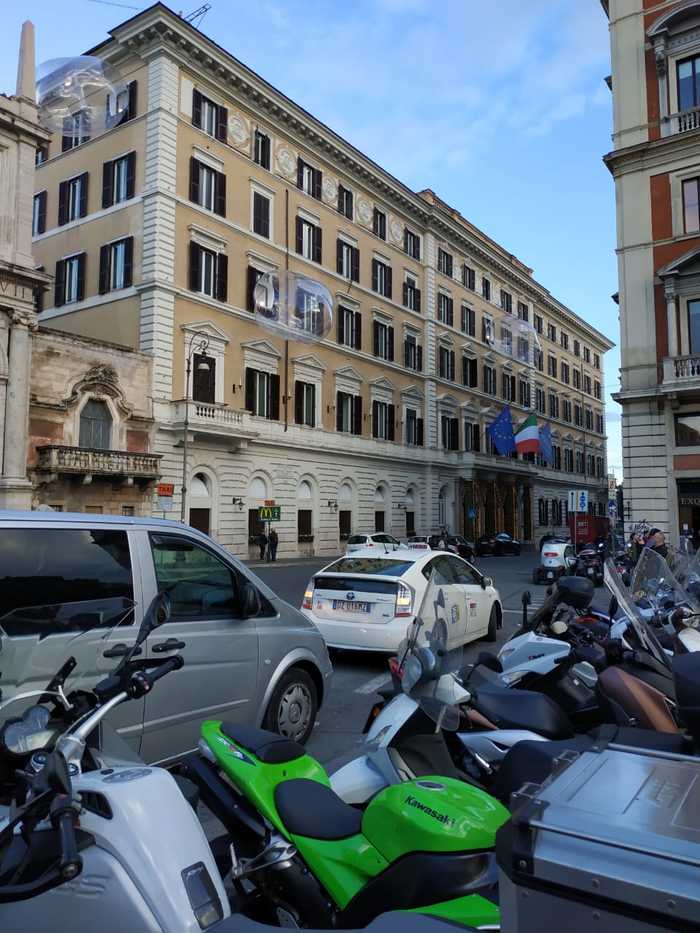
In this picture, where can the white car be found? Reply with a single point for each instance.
(380, 540)
(365, 600)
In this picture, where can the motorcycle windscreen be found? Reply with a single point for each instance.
(643, 631)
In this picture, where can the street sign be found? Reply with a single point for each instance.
(270, 513)
(164, 492)
(578, 500)
(612, 508)
(612, 485)
(269, 502)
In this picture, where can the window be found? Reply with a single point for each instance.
(564, 340)
(411, 243)
(208, 272)
(506, 301)
(579, 462)
(578, 416)
(596, 360)
(539, 400)
(308, 240)
(39, 214)
(70, 567)
(590, 465)
(261, 215)
(568, 460)
(118, 178)
(72, 199)
(468, 321)
(304, 526)
(468, 277)
(599, 425)
(348, 413)
(350, 328)
(309, 179)
(344, 524)
(412, 353)
(41, 155)
(586, 355)
(543, 512)
(383, 340)
(127, 510)
(414, 428)
(539, 323)
(551, 333)
(524, 393)
(577, 348)
(379, 223)
(508, 387)
(470, 371)
(305, 403)
(116, 264)
(345, 201)
(506, 340)
(589, 419)
(523, 311)
(76, 130)
(694, 325)
(489, 373)
(538, 359)
(207, 187)
(200, 585)
(688, 430)
(95, 425)
(565, 372)
(552, 366)
(577, 378)
(449, 432)
(553, 405)
(487, 331)
(587, 385)
(208, 116)
(203, 378)
(444, 262)
(411, 294)
(556, 512)
(446, 363)
(688, 77)
(445, 309)
(523, 349)
(261, 149)
(485, 289)
(348, 260)
(599, 472)
(383, 416)
(121, 106)
(262, 393)
(381, 278)
(567, 410)
(70, 280)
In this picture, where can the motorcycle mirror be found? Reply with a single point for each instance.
(526, 598)
(55, 775)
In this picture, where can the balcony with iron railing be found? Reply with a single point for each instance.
(56, 460)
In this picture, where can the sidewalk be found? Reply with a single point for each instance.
(292, 561)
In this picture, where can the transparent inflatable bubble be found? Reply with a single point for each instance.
(293, 306)
(82, 95)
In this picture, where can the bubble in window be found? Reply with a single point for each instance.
(293, 306)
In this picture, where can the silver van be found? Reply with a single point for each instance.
(77, 584)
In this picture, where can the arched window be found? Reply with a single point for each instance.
(543, 512)
(95, 425)
(305, 492)
(442, 507)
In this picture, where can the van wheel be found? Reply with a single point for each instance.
(492, 633)
(293, 706)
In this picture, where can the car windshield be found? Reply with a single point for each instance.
(357, 539)
(371, 565)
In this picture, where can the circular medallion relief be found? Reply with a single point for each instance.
(396, 231)
(330, 189)
(364, 211)
(238, 128)
(286, 162)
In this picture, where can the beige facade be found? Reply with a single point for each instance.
(245, 446)
(656, 166)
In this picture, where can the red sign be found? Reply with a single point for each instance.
(270, 502)
(165, 490)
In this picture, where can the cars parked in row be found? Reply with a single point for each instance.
(497, 545)
(378, 539)
(365, 600)
(250, 657)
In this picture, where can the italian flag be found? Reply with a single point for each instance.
(527, 440)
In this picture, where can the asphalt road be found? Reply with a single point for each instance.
(338, 732)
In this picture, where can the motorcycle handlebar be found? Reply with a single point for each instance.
(63, 819)
(142, 681)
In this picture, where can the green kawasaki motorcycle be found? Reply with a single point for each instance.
(300, 856)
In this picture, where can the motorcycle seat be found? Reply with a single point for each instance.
(522, 709)
(309, 808)
(269, 747)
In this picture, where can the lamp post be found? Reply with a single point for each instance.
(198, 343)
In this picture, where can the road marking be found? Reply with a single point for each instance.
(374, 684)
(520, 611)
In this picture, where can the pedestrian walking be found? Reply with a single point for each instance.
(272, 544)
(262, 544)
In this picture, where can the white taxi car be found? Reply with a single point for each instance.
(365, 600)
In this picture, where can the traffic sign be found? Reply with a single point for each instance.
(270, 513)
(612, 508)
(578, 500)
(164, 492)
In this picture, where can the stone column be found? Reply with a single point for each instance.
(15, 488)
(671, 323)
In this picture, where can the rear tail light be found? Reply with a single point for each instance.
(308, 595)
(394, 666)
(404, 601)
(550, 554)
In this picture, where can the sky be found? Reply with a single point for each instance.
(500, 107)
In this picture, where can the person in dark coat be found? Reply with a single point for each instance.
(273, 541)
(262, 544)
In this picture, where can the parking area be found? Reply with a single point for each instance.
(358, 674)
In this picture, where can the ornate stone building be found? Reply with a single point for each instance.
(157, 230)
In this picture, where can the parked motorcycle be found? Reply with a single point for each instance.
(589, 564)
(422, 845)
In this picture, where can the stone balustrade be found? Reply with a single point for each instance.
(679, 369)
(57, 459)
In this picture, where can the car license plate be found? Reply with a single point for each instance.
(350, 605)
(550, 574)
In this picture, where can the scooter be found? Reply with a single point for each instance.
(423, 845)
(589, 564)
(92, 833)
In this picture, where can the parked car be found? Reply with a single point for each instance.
(249, 656)
(379, 539)
(366, 600)
(420, 542)
(556, 559)
(460, 545)
(497, 545)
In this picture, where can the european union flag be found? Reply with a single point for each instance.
(501, 433)
(546, 444)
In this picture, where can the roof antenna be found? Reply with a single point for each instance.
(197, 14)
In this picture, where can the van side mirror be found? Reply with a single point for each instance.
(250, 602)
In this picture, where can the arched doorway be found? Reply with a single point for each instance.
(257, 493)
(509, 506)
(344, 511)
(305, 518)
(411, 504)
(490, 510)
(380, 501)
(442, 507)
(200, 503)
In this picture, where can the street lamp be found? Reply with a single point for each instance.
(198, 344)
